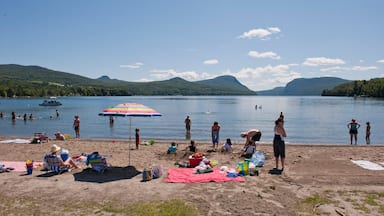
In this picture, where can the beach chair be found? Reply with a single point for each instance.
(54, 164)
(97, 162)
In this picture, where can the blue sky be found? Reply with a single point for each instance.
(264, 44)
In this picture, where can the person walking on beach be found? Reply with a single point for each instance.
(215, 134)
(279, 143)
(137, 137)
(368, 133)
(353, 126)
(188, 122)
(76, 126)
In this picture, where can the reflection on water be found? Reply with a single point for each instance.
(307, 119)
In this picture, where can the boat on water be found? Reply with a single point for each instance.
(51, 102)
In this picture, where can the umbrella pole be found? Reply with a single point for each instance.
(129, 143)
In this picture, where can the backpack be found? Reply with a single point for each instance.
(147, 174)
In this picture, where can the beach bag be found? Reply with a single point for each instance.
(242, 167)
(258, 158)
(157, 172)
(147, 174)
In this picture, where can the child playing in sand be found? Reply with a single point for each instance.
(192, 147)
(172, 148)
(227, 147)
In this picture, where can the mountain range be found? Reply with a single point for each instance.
(19, 80)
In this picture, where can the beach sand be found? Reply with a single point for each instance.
(317, 180)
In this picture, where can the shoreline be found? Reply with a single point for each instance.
(203, 142)
(323, 172)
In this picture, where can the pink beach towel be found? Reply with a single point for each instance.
(19, 166)
(186, 175)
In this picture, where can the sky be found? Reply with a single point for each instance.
(264, 44)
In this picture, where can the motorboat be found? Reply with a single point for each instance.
(51, 102)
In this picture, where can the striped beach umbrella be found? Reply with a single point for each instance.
(129, 110)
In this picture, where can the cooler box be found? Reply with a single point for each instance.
(193, 162)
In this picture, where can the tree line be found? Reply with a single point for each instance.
(370, 88)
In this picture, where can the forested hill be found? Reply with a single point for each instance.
(306, 86)
(35, 81)
(370, 88)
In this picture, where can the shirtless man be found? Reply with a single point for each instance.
(252, 135)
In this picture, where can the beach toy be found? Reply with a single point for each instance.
(151, 142)
(29, 165)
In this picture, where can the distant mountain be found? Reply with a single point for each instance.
(306, 86)
(225, 82)
(18, 80)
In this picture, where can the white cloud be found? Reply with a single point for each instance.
(260, 33)
(255, 54)
(268, 77)
(381, 61)
(319, 61)
(171, 73)
(133, 66)
(354, 68)
(211, 62)
(274, 29)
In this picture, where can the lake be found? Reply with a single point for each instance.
(316, 120)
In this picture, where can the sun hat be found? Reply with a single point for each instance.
(55, 148)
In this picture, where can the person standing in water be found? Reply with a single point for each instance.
(368, 133)
(188, 122)
(76, 126)
(353, 127)
(215, 134)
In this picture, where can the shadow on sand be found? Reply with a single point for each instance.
(110, 174)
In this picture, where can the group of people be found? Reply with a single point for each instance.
(353, 127)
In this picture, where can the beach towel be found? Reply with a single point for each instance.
(186, 175)
(368, 165)
(19, 141)
(19, 166)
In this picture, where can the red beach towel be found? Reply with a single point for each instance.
(186, 175)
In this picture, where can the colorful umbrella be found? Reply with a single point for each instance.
(129, 110)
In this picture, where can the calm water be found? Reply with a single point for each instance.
(307, 119)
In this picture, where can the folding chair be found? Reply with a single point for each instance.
(54, 164)
(97, 162)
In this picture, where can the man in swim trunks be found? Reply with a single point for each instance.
(353, 126)
(252, 135)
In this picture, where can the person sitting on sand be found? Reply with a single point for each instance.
(59, 136)
(68, 163)
(172, 149)
(192, 147)
(227, 147)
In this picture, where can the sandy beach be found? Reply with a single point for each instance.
(317, 180)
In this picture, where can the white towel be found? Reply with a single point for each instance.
(367, 164)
